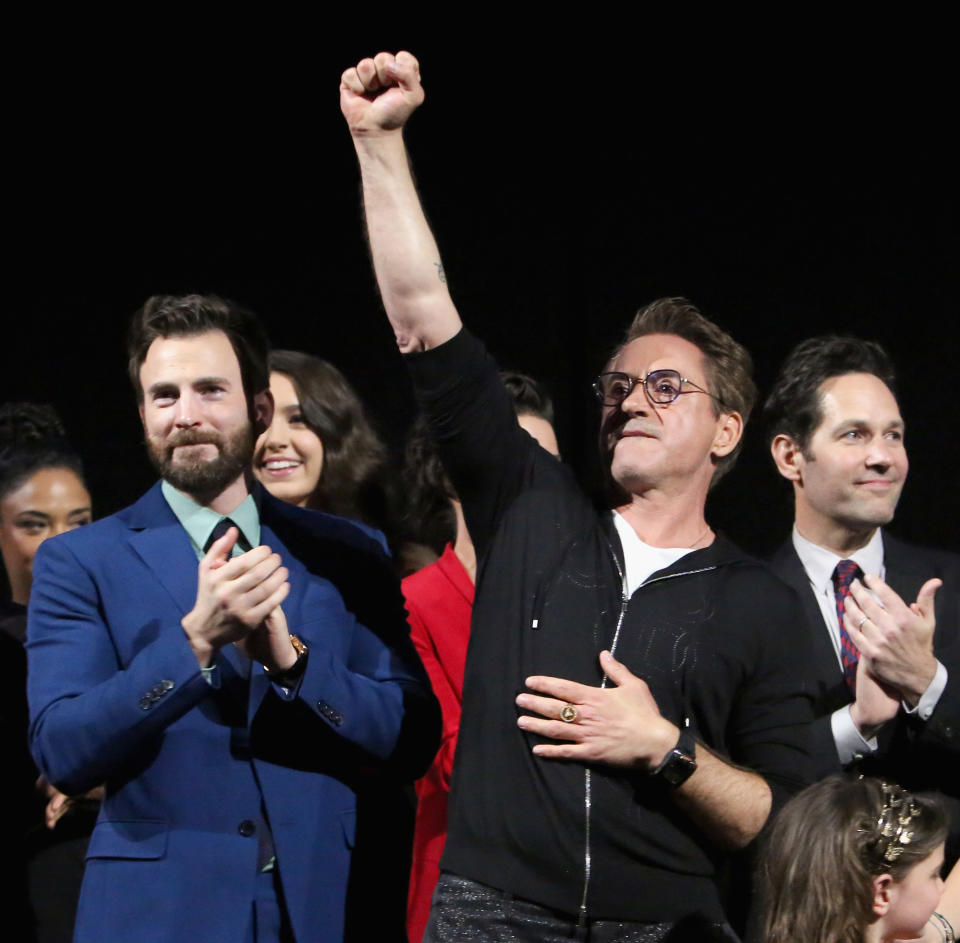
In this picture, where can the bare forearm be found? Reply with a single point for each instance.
(405, 255)
(729, 804)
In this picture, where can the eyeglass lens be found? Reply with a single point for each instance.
(662, 386)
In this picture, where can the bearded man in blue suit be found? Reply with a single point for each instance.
(233, 707)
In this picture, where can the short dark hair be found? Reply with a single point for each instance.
(793, 407)
(529, 397)
(728, 365)
(428, 517)
(352, 479)
(32, 438)
(163, 316)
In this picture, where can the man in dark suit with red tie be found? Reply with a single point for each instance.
(884, 617)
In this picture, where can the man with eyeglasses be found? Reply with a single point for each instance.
(630, 712)
(884, 617)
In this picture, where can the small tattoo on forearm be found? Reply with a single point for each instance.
(441, 274)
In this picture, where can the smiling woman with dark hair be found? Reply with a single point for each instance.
(320, 450)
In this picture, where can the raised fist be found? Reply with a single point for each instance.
(378, 95)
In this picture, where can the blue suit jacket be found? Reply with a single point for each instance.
(116, 696)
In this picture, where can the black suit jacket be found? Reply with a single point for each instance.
(919, 754)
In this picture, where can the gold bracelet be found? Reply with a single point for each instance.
(299, 648)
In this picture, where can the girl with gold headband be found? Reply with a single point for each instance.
(855, 861)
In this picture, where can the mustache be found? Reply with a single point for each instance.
(193, 437)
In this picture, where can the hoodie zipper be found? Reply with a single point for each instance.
(587, 780)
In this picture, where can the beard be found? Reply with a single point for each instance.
(203, 479)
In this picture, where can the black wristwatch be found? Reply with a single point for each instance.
(678, 765)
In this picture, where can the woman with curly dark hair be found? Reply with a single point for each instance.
(42, 494)
(320, 450)
(41, 490)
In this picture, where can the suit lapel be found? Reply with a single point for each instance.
(907, 569)
(903, 573)
(160, 541)
(163, 545)
(786, 564)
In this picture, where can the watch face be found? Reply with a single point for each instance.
(679, 768)
(680, 762)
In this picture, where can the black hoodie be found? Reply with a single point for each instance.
(714, 635)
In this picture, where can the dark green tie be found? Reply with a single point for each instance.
(222, 526)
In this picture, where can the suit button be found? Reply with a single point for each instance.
(166, 684)
(146, 703)
(334, 716)
(246, 828)
(947, 731)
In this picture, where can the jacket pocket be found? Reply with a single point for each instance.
(141, 839)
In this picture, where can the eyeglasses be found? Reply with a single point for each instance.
(661, 386)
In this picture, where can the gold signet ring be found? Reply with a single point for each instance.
(568, 714)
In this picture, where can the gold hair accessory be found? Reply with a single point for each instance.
(893, 825)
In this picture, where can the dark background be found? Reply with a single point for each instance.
(788, 178)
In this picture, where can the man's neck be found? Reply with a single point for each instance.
(228, 500)
(661, 522)
(833, 536)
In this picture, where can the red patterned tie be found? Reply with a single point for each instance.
(845, 573)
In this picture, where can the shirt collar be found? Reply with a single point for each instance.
(820, 562)
(198, 521)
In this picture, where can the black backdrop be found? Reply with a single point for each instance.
(784, 182)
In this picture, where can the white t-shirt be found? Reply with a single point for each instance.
(641, 559)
